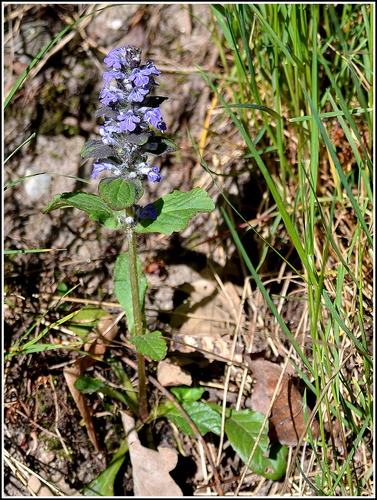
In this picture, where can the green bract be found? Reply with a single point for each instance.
(117, 193)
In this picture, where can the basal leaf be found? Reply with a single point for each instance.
(187, 394)
(103, 485)
(88, 385)
(204, 417)
(175, 210)
(150, 344)
(242, 429)
(91, 204)
(122, 286)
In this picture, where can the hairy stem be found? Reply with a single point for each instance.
(138, 322)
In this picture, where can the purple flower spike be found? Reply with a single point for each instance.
(132, 125)
(154, 175)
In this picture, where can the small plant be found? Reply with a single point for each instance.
(132, 118)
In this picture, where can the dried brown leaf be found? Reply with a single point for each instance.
(209, 309)
(287, 421)
(150, 468)
(169, 373)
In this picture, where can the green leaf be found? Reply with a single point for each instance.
(117, 193)
(242, 429)
(88, 385)
(150, 344)
(204, 417)
(91, 204)
(187, 394)
(103, 485)
(175, 210)
(85, 320)
(122, 286)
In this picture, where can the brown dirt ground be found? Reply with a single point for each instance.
(57, 103)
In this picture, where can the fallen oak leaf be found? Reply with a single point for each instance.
(150, 468)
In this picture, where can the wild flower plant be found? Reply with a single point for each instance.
(132, 133)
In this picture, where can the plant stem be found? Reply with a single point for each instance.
(138, 322)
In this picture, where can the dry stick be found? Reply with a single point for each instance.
(20, 466)
(169, 396)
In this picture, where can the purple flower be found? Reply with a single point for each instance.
(137, 94)
(152, 69)
(106, 132)
(147, 211)
(140, 76)
(128, 57)
(109, 75)
(127, 121)
(154, 175)
(100, 166)
(154, 117)
(111, 94)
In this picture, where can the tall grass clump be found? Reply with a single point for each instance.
(297, 83)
